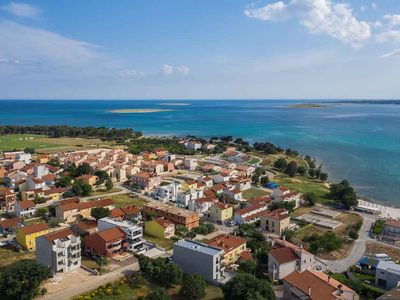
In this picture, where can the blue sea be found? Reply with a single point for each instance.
(358, 142)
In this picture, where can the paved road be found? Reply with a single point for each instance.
(92, 284)
(122, 191)
(358, 249)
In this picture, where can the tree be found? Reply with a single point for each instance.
(42, 212)
(193, 287)
(102, 176)
(248, 287)
(288, 234)
(158, 294)
(109, 185)
(310, 198)
(247, 266)
(80, 188)
(21, 280)
(84, 168)
(291, 169)
(311, 172)
(289, 205)
(38, 199)
(280, 164)
(64, 181)
(100, 212)
(344, 193)
(353, 234)
(29, 150)
(264, 180)
(323, 176)
(301, 170)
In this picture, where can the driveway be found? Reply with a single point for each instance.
(358, 249)
(80, 281)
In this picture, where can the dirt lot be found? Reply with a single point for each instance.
(348, 220)
(373, 248)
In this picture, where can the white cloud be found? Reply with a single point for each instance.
(167, 69)
(388, 36)
(374, 5)
(41, 47)
(270, 12)
(131, 73)
(319, 16)
(184, 70)
(395, 53)
(22, 10)
(394, 20)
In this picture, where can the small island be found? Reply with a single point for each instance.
(139, 110)
(175, 104)
(308, 105)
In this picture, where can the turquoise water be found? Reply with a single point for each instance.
(359, 142)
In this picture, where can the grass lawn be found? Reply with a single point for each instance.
(125, 199)
(305, 185)
(89, 263)
(253, 160)
(253, 192)
(271, 158)
(102, 192)
(348, 219)
(128, 293)
(164, 243)
(9, 256)
(22, 141)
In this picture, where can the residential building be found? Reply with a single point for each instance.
(221, 212)
(9, 226)
(282, 194)
(232, 245)
(160, 228)
(315, 285)
(174, 214)
(202, 205)
(25, 157)
(183, 198)
(25, 209)
(286, 258)
(35, 183)
(106, 243)
(167, 192)
(190, 164)
(7, 200)
(146, 181)
(387, 275)
(233, 195)
(59, 250)
(391, 232)
(193, 145)
(198, 258)
(250, 214)
(275, 221)
(393, 294)
(88, 179)
(85, 227)
(134, 233)
(73, 211)
(26, 236)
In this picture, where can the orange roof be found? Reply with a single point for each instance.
(60, 234)
(226, 242)
(131, 210)
(26, 204)
(117, 213)
(283, 255)
(277, 214)
(86, 224)
(250, 208)
(29, 229)
(246, 255)
(319, 284)
(222, 206)
(111, 234)
(5, 224)
(392, 222)
(164, 222)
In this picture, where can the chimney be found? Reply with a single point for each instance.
(329, 277)
(309, 291)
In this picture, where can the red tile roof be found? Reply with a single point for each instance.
(6, 224)
(392, 222)
(277, 214)
(283, 255)
(164, 222)
(86, 224)
(111, 234)
(26, 204)
(226, 242)
(29, 229)
(60, 234)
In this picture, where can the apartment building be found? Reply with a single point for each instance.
(275, 221)
(107, 243)
(175, 214)
(198, 258)
(232, 245)
(134, 233)
(60, 251)
(146, 181)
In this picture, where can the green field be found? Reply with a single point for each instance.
(125, 199)
(253, 192)
(163, 243)
(22, 141)
(305, 185)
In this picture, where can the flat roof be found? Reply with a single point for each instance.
(200, 247)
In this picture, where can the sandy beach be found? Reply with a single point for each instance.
(139, 110)
(385, 211)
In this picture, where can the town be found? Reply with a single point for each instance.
(101, 221)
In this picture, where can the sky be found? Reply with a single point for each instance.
(208, 49)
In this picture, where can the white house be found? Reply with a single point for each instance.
(35, 183)
(219, 178)
(167, 192)
(282, 194)
(190, 163)
(234, 194)
(183, 198)
(25, 209)
(202, 205)
(250, 214)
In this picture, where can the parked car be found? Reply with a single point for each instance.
(232, 223)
